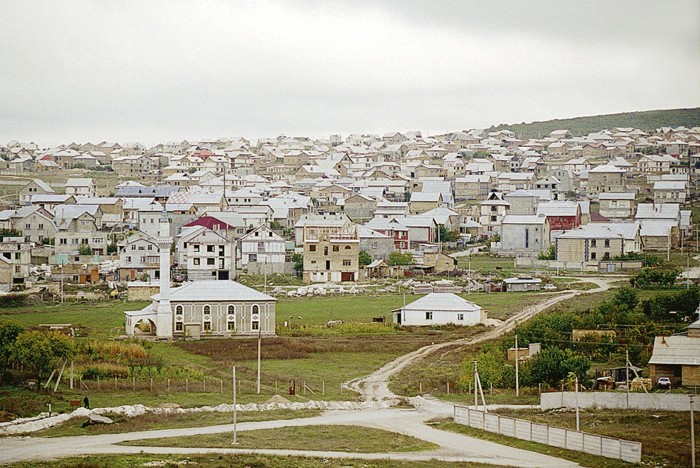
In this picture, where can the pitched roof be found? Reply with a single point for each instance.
(442, 302)
(676, 350)
(215, 291)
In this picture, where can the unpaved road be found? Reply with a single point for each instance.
(453, 447)
(375, 386)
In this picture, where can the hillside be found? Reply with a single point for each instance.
(646, 121)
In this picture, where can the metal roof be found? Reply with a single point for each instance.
(676, 350)
(442, 302)
(215, 291)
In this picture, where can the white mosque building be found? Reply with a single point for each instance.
(202, 308)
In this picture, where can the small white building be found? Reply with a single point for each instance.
(440, 309)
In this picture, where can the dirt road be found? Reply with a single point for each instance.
(376, 385)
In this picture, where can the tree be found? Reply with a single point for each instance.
(626, 297)
(364, 258)
(553, 365)
(9, 331)
(550, 254)
(447, 236)
(648, 277)
(298, 260)
(112, 248)
(84, 250)
(399, 258)
(275, 225)
(41, 352)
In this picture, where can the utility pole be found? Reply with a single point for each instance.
(476, 391)
(627, 376)
(692, 432)
(517, 377)
(235, 442)
(578, 426)
(259, 351)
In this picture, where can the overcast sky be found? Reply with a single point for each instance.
(171, 70)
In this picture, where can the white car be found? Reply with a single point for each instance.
(664, 382)
(549, 287)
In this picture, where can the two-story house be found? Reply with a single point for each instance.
(205, 254)
(263, 247)
(139, 258)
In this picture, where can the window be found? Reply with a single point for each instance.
(210, 248)
(27, 226)
(336, 248)
(460, 316)
(255, 309)
(178, 309)
(593, 243)
(312, 248)
(210, 261)
(607, 242)
(196, 247)
(207, 326)
(593, 255)
(347, 247)
(206, 309)
(195, 261)
(231, 326)
(428, 315)
(255, 325)
(41, 226)
(63, 241)
(231, 309)
(347, 262)
(178, 326)
(325, 250)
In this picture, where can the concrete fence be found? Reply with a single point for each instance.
(618, 400)
(554, 436)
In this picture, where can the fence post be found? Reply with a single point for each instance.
(187, 385)
(304, 387)
(98, 382)
(221, 383)
(204, 390)
(115, 382)
(133, 383)
(275, 385)
(420, 387)
(448, 387)
(151, 383)
(168, 385)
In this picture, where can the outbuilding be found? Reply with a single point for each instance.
(440, 309)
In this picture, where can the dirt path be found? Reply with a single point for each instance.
(376, 385)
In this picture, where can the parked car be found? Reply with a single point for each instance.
(664, 382)
(550, 287)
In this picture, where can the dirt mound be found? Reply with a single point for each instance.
(277, 399)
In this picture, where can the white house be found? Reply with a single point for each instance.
(440, 309)
(264, 247)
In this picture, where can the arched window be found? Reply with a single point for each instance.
(178, 309)
(347, 247)
(207, 309)
(231, 309)
(255, 309)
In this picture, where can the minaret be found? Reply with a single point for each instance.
(164, 325)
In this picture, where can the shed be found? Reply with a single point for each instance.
(522, 284)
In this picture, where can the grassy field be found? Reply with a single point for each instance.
(99, 320)
(152, 422)
(665, 436)
(238, 461)
(326, 438)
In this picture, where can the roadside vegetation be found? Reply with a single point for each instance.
(325, 438)
(155, 421)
